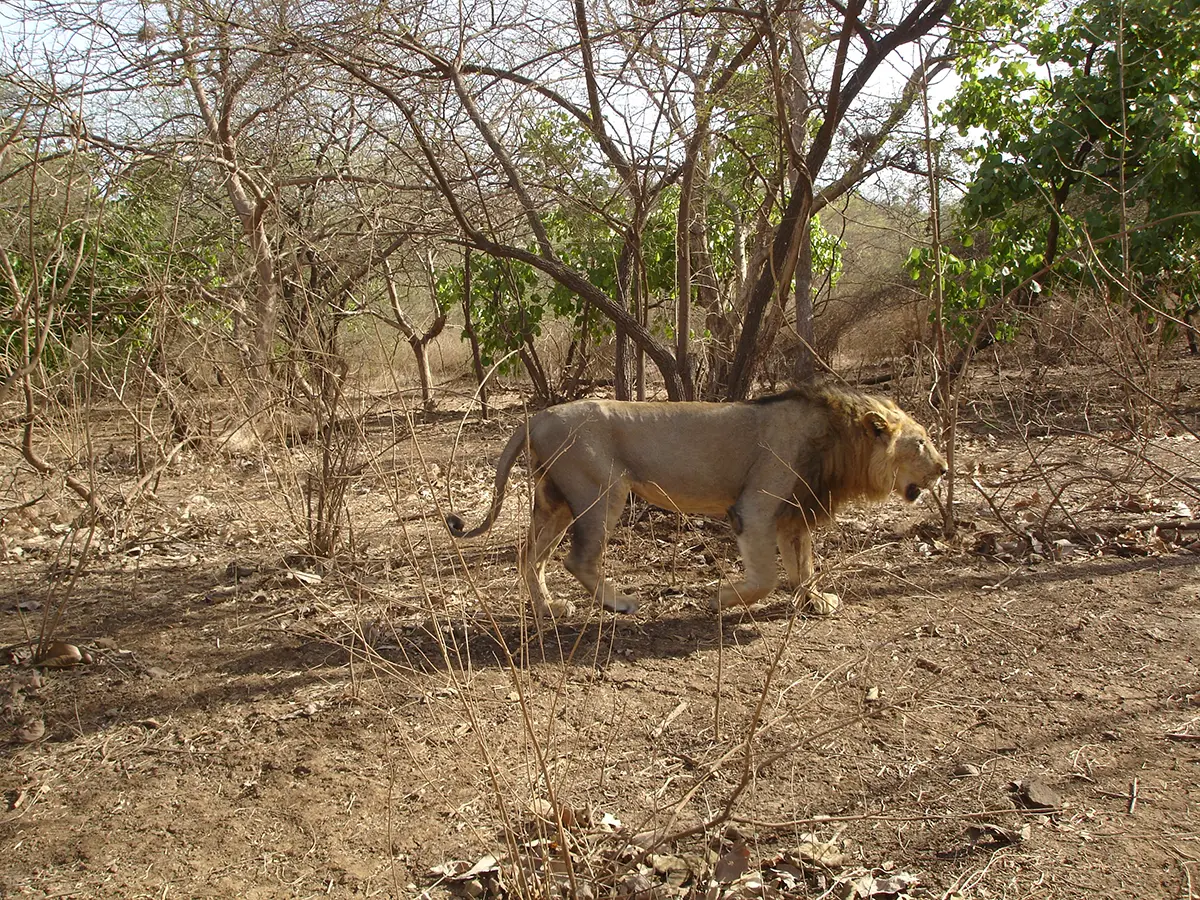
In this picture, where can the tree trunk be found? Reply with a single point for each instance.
(416, 340)
(683, 277)
(774, 277)
(804, 365)
(643, 317)
(473, 337)
(623, 375)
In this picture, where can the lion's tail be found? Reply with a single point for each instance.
(514, 447)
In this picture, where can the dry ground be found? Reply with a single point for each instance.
(241, 731)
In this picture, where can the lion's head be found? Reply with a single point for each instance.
(903, 458)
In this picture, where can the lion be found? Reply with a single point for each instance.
(775, 467)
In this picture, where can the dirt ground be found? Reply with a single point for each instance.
(1011, 712)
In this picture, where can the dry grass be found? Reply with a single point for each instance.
(256, 722)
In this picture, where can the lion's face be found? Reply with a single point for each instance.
(914, 461)
(905, 461)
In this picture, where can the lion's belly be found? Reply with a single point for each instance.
(676, 497)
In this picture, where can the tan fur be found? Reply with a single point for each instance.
(776, 467)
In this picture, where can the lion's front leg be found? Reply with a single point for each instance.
(796, 549)
(757, 545)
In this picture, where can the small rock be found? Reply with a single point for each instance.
(673, 869)
(929, 665)
(965, 770)
(635, 885)
(1035, 794)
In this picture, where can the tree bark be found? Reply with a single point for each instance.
(776, 275)
(473, 337)
(804, 366)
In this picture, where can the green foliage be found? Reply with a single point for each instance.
(826, 253)
(750, 156)
(1089, 166)
(968, 285)
(508, 304)
(511, 302)
(123, 246)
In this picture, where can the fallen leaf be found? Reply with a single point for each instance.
(988, 832)
(644, 840)
(58, 655)
(299, 579)
(822, 853)
(870, 886)
(461, 870)
(30, 730)
(732, 864)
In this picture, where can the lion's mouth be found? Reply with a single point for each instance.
(912, 492)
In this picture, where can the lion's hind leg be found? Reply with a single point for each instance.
(589, 534)
(549, 523)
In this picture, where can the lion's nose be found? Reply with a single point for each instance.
(944, 469)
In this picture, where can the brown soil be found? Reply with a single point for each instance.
(244, 732)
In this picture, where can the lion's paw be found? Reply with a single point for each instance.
(622, 603)
(553, 609)
(729, 596)
(725, 598)
(820, 603)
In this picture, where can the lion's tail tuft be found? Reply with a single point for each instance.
(513, 449)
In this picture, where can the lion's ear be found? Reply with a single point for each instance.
(876, 423)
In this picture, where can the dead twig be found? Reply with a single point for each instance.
(763, 825)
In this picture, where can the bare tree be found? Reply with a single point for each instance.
(648, 87)
(418, 338)
(859, 44)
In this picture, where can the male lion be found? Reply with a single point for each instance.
(775, 467)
